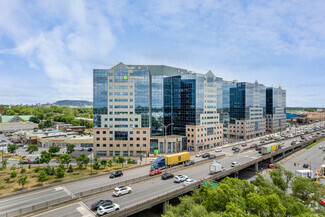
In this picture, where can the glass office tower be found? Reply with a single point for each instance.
(275, 109)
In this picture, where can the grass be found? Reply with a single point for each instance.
(315, 143)
(32, 180)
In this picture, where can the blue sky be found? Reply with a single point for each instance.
(49, 48)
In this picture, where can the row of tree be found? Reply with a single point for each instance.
(262, 197)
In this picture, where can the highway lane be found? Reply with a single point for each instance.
(72, 188)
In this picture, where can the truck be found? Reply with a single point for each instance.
(269, 148)
(32, 159)
(216, 167)
(170, 160)
(305, 174)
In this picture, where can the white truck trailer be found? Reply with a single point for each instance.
(216, 167)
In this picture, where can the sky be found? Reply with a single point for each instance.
(49, 48)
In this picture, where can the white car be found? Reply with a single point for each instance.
(188, 181)
(218, 149)
(180, 178)
(215, 162)
(234, 164)
(122, 190)
(199, 154)
(320, 147)
(102, 210)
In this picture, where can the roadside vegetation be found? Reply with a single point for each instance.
(44, 116)
(315, 143)
(22, 176)
(262, 197)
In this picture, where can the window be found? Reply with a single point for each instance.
(138, 139)
(144, 132)
(97, 139)
(144, 138)
(97, 132)
(124, 145)
(110, 145)
(117, 145)
(98, 145)
(144, 145)
(138, 145)
(104, 145)
(101, 153)
(110, 132)
(104, 138)
(131, 145)
(121, 106)
(138, 132)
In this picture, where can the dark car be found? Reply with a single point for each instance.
(258, 148)
(90, 149)
(293, 143)
(205, 155)
(190, 162)
(116, 174)
(95, 205)
(212, 156)
(236, 149)
(305, 165)
(166, 176)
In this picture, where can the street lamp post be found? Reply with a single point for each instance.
(165, 127)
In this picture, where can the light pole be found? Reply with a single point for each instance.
(166, 135)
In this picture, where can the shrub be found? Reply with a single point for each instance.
(70, 170)
(96, 165)
(13, 167)
(7, 179)
(37, 169)
(60, 172)
(49, 171)
(42, 176)
(13, 174)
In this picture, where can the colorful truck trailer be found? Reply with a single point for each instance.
(266, 149)
(170, 160)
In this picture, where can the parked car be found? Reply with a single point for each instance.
(26, 146)
(82, 149)
(234, 164)
(133, 161)
(243, 145)
(188, 181)
(122, 190)
(198, 154)
(320, 147)
(322, 202)
(305, 165)
(205, 155)
(190, 162)
(95, 205)
(154, 172)
(218, 150)
(212, 156)
(90, 149)
(166, 176)
(253, 145)
(116, 174)
(102, 210)
(262, 141)
(180, 178)
(272, 166)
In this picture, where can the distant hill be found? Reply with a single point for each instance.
(78, 103)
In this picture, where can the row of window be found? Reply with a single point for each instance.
(119, 145)
(202, 129)
(191, 135)
(111, 132)
(198, 141)
(121, 119)
(120, 87)
(121, 106)
(121, 100)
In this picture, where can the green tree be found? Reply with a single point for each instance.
(34, 119)
(60, 172)
(114, 158)
(120, 159)
(70, 170)
(32, 148)
(82, 160)
(65, 159)
(12, 148)
(54, 149)
(41, 125)
(42, 176)
(13, 167)
(129, 161)
(13, 174)
(289, 175)
(22, 181)
(96, 165)
(48, 123)
(46, 158)
(4, 163)
(103, 162)
(89, 125)
(70, 148)
(109, 163)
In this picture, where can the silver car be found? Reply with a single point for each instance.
(180, 178)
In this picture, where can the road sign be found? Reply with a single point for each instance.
(125, 77)
(317, 171)
(212, 184)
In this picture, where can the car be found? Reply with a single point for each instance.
(90, 149)
(322, 202)
(95, 205)
(262, 141)
(82, 149)
(198, 154)
(205, 155)
(320, 147)
(190, 162)
(180, 178)
(258, 148)
(272, 166)
(234, 164)
(155, 172)
(253, 145)
(26, 146)
(218, 150)
(133, 161)
(122, 190)
(102, 210)
(166, 176)
(188, 182)
(293, 143)
(116, 174)
(236, 149)
(243, 145)
(212, 156)
(305, 165)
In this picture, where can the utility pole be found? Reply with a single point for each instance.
(165, 142)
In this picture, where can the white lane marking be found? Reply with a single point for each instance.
(68, 192)
(84, 210)
(58, 188)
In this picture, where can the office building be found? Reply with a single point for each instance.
(275, 109)
(134, 104)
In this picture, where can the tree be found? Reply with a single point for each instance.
(4, 163)
(22, 181)
(54, 149)
(129, 161)
(41, 125)
(12, 148)
(48, 122)
(96, 165)
(32, 148)
(13, 174)
(60, 172)
(289, 175)
(82, 160)
(46, 158)
(70, 148)
(65, 159)
(89, 125)
(42, 176)
(109, 163)
(70, 170)
(34, 119)
(114, 158)
(103, 162)
(120, 159)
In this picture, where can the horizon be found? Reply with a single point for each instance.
(48, 50)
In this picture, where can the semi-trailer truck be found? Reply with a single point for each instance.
(269, 148)
(170, 160)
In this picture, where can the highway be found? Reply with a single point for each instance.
(141, 191)
(151, 188)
